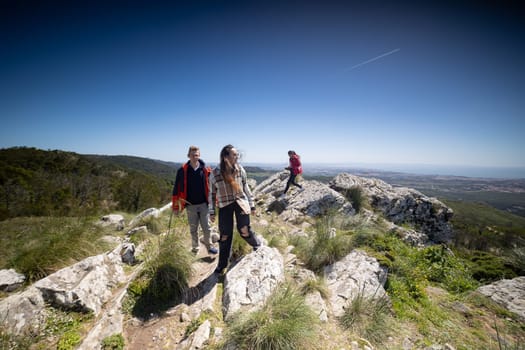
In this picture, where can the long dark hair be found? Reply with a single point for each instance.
(227, 169)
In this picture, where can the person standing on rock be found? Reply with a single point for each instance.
(229, 190)
(295, 168)
(191, 192)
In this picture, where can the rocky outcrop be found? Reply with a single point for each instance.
(252, 280)
(85, 286)
(402, 205)
(508, 293)
(314, 200)
(429, 217)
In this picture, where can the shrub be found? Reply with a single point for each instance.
(517, 259)
(113, 342)
(444, 267)
(486, 267)
(69, 340)
(406, 281)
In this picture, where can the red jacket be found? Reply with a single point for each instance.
(180, 189)
(295, 164)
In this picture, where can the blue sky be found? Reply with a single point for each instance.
(434, 83)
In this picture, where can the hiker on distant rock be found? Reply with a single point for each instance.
(191, 192)
(295, 168)
(229, 190)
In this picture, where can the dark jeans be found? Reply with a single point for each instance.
(226, 230)
(291, 180)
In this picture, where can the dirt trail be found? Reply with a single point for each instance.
(166, 331)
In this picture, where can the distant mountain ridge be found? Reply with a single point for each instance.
(504, 194)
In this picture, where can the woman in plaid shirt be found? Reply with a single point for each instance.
(229, 191)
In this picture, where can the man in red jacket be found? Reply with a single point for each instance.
(191, 193)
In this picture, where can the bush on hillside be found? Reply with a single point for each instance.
(442, 266)
(487, 267)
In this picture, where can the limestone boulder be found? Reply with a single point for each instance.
(509, 293)
(357, 274)
(10, 280)
(252, 280)
(115, 220)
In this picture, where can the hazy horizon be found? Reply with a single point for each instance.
(496, 172)
(415, 169)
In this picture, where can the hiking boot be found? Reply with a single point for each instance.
(195, 250)
(212, 250)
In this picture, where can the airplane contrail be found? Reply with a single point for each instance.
(372, 59)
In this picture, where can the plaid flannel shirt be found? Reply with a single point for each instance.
(222, 194)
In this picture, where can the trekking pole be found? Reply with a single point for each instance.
(171, 215)
(169, 223)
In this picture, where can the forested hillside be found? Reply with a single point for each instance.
(161, 169)
(35, 182)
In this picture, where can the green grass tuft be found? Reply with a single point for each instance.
(37, 247)
(284, 322)
(322, 249)
(165, 277)
(315, 285)
(113, 342)
(368, 317)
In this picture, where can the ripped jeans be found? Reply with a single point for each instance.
(226, 231)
